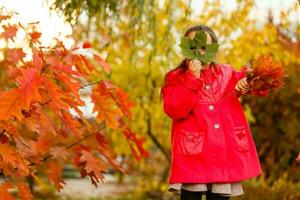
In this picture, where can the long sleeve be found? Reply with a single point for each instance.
(237, 75)
(180, 95)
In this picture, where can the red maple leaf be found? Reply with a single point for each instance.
(15, 55)
(35, 36)
(24, 191)
(10, 32)
(54, 174)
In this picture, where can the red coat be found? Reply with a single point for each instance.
(210, 138)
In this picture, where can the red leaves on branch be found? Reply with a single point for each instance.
(41, 119)
(266, 75)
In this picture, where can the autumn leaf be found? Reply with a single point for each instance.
(37, 59)
(24, 191)
(59, 152)
(68, 69)
(107, 152)
(131, 136)
(4, 193)
(54, 175)
(102, 62)
(106, 109)
(15, 55)
(10, 32)
(40, 145)
(39, 121)
(72, 85)
(93, 166)
(72, 124)
(56, 95)
(124, 103)
(8, 154)
(4, 17)
(29, 84)
(10, 104)
(35, 36)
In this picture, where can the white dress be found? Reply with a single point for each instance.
(226, 189)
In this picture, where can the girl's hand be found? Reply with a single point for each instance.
(242, 86)
(195, 67)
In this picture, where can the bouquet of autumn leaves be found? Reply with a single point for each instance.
(265, 75)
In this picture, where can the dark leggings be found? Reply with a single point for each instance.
(193, 195)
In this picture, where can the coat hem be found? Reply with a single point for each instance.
(171, 181)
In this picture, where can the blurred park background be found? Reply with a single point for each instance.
(139, 39)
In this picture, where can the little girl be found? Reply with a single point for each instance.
(211, 143)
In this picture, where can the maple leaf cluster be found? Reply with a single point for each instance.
(38, 133)
(265, 75)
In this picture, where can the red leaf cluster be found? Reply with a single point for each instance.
(266, 74)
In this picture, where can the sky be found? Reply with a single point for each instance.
(51, 24)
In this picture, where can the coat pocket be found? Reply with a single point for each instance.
(191, 142)
(241, 137)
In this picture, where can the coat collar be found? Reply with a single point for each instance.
(212, 70)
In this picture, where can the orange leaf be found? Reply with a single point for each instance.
(37, 59)
(8, 154)
(102, 62)
(4, 17)
(65, 68)
(41, 145)
(29, 84)
(56, 95)
(72, 124)
(131, 136)
(72, 85)
(4, 194)
(15, 55)
(106, 110)
(87, 62)
(24, 191)
(54, 173)
(59, 152)
(10, 32)
(124, 102)
(93, 166)
(35, 36)
(10, 104)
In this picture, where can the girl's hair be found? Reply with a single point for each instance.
(207, 29)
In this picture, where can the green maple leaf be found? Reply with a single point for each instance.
(190, 48)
